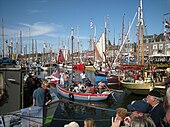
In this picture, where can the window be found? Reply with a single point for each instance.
(155, 46)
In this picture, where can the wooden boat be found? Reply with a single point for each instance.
(90, 67)
(108, 79)
(80, 96)
(143, 88)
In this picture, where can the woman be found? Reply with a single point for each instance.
(89, 122)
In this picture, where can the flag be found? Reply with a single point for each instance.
(91, 24)
(45, 46)
(167, 24)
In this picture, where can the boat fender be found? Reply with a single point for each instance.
(71, 96)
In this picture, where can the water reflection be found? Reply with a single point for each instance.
(101, 112)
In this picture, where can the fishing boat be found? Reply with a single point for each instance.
(80, 96)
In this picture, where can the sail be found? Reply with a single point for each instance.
(60, 57)
(100, 47)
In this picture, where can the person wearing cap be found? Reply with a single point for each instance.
(139, 116)
(72, 124)
(157, 111)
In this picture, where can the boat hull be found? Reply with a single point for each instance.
(141, 89)
(109, 80)
(79, 67)
(80, 96)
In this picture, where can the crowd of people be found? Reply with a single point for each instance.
(37, 91)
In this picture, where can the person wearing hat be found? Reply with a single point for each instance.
(72, 124)
(157, 111)
(139, 116)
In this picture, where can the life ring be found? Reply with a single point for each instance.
(71, 96)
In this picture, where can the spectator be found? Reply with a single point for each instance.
(89, 122)
(157, 112)
(72, 124)
(48, 97)
(39, 96)
(138, 117)
(121, 113)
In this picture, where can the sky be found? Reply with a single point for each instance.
(51, 21)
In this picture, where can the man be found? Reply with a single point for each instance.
(39, 96)
(139, 116)
(83, 76)
(157, 111)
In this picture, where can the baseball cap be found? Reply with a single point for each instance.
(72, 124)
(139, 105)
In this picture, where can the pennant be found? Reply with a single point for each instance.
(91, 24)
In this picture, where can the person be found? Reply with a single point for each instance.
(89, 122)
(167, 116)
(139, 116)
(101, 86)
(66, 79)
(48, 97)
(61, 78)
(39, 96)
(153, 73)
(121, 113)
(140, 81)
(167, 80)
(72, 124)
(28, 91)
(83, 76)
(76, 89)
(157, 111)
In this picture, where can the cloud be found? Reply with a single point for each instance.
(34, 11)
(36, 29)
(41, 28)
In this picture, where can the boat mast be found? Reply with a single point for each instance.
(78, 45)
(140, 34)
(16, 57)
(105, 39)
(125, 38)
(29, 44)
(94, 43)
(72, 38)
(2, 38)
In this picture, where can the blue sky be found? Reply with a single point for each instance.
(51, 20)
